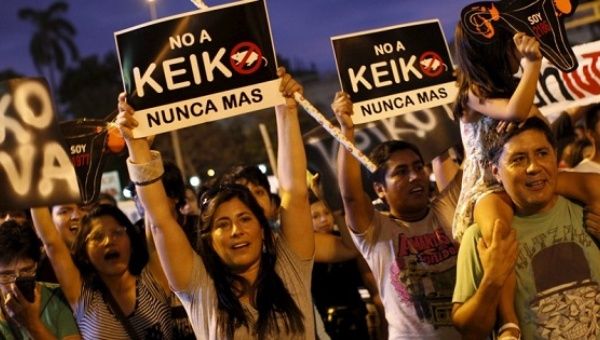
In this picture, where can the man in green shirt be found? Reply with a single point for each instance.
(29, 309)
(556, 261)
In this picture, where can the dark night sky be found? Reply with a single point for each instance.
(301, 29)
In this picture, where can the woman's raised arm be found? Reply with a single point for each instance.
(145, 170)
(296, 221)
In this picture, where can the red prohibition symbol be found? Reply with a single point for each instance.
(431, 64)
(246, 57)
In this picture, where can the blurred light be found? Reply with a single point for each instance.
(126, 193)
(210, 172)
(263, 168)
(194, 181)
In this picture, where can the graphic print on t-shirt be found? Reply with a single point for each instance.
(567, 304)
(424, 274)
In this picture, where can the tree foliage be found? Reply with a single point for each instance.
(90, 88)
(52, 39)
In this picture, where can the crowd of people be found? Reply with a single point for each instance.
(505, 243)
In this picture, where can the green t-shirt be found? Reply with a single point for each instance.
(56, 315)
(557, 269)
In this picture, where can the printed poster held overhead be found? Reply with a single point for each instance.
(395, 70)
(199, 67)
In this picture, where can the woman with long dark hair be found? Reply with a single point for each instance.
(246, 282)
(114, 291)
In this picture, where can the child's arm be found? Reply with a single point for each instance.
(492, 207)
(582, 187)
(497, 209)
(518, 106)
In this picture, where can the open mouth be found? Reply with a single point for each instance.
(74, 227)
(111, 255)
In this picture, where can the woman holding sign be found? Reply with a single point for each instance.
(246, 282)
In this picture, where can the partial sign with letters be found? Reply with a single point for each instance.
(395, 70)
(90, 141)
(432, 130)
(558, 90)
(35, 169)
(199, 67)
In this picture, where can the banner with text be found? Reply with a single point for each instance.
(432, 130)
(35, 169)
(199, 67)
(558, 90)
(394, 70)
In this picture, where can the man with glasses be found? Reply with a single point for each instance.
(29, 309)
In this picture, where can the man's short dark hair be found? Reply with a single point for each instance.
(384, 151)
(172, 181)
(19, 241)
(251, 174)
(106, 197)
(592, 115)
(494, 142)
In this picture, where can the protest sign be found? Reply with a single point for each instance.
(199, 67)
(35, 169)
(394, 70)
(432, 130)
(89, 142)
(558, 90)
(542, 19)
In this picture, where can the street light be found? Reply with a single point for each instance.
(152, 4)
(174, 134)
(195, 181)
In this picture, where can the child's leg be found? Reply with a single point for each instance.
(489, 209)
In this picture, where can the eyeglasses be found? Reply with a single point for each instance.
(8, 278)
(211, 193)
(99, 237)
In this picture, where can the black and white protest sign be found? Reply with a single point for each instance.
(199, 67)
(395, 70)
(432, 130)
(35, 169)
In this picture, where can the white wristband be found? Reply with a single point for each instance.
(146, 173)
